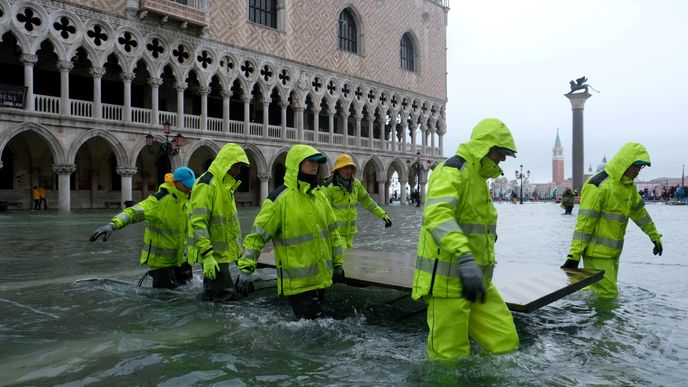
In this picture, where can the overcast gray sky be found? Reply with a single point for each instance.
(514, 59)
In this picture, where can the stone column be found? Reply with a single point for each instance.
(357, 129)
(383, 118)
(345, 125)
(126, 174)
(155, 97)
(29, 61)
(298, 117)
(264, 187)
(247, 110)
(316, 123)
(330, 122)
(577, 144)
(204, 107)
(432, 139)
(180, 87)
(225, 110)
(266, 116)
(371, 129)
(404, 130)
(64, 172)
(127, 78)
(382, 196)
(97, 74)
(423, 137)
(402, 191)
(393, 135)
(65, 67)
(283, 119)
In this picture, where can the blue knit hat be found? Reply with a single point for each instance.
(185, 176)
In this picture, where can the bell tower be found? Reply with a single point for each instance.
(557, 161)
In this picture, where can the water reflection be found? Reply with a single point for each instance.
(71, 314)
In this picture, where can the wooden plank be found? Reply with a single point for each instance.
(524, 287)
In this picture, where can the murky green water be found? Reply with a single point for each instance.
(70, 314)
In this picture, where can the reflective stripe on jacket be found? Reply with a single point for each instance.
(166, 215)
(608, 200)
(302, 226)
(459, 217)
(213, 220)
(344, 203)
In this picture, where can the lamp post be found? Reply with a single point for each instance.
(519, 176)
(170, 147)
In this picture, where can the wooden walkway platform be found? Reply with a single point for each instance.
(525, 288)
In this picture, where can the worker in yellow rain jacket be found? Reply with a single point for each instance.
(301, 224)
(214, 229)
(608, 199)
(165, 237)
(344, 191)
(456, 250)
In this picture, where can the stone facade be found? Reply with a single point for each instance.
(108, 72)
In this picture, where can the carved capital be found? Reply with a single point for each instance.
(264, 177)
(65, 65)
(154, 82)
(64, 169)
(28, 58)
(226, 93)
(97, 72)
(127, 77)
(204, 90)
(126, 171)
(181, 86)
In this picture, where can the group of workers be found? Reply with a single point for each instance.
(193, 220)
(311, 225)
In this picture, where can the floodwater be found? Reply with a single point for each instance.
(71, 314)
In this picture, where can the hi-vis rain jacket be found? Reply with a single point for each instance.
(213, 222)
(301, 224)
(165, 235)
(608, 199)
(459, 217)
(344, 202)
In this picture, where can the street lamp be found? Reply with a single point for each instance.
(519, 176)
(170, 147)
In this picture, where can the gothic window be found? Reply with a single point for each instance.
(406, 53)
(348, 38)
(263, 12)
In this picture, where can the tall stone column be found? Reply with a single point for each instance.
(155, 84)
(65, 67)
(266, 116)
(330, 122)
(283, 119)
(357, 129)
(383, 132)
(204, 107)
(225, 110)
(126, 175)
(298, 117)
(382, 192)
(180, 87)
(247, 113)
(97, 74)
(577, 144)
(345, 126)
(402, 191)
(64, 171)
(126, 79)
(404, 130)
(371, 129)
(264, 187)
(316, 123)
(29, 61)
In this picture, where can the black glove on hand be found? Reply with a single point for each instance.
(657, 250)
(388, 222)
(244, 283)
(570, 263)
(338, 275)
(106, 231)
(471, 278)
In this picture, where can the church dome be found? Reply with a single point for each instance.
(602, 164)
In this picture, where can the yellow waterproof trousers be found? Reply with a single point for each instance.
(451, 320)
(606, 287)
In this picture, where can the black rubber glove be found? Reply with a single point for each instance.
(471, 278)
(244, 283)
(105, 231)
(570, 263)
(657, 250)
(388, 221)
(338, 275)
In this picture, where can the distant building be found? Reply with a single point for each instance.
(557, 161)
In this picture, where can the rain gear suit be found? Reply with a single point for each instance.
(214, 229)
(459, 218)
(166, 213)
(302, 226)
(608, 200)
(344, 198)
